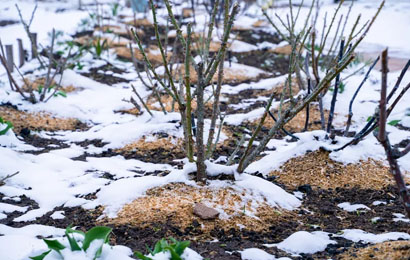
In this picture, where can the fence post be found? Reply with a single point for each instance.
(10, 57)
(34, 45)
(22, 55)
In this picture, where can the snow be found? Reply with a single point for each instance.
(400, 217)
(258, 254)
(357, 235)
(7, 208)
(115, 195)
(305, 242)
(352, 207)
(377, 202)
(54, 178)
(57, 215)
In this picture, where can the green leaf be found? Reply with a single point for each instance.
(369, 118)
(164, 244)
(96, 233)
(181, 246)
(54, 245)
(40, 88)
(70, 231)
(139, 255)
(394, 122)
(150, 250)
(8, 127)
(157, 248)
(60, 93)
(40, 257)
(73, 243)
(174, 255)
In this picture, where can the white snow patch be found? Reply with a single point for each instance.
(258, 254)
(305, 242)
(357, 235)
(352, 207)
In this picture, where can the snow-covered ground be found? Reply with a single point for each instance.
(54, 179)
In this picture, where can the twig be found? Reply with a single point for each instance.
(335, 91)
(141, 100)
(349, 119)
(8, 177)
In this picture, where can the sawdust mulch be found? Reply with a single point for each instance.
(142, 146)
(153, 54)
(390, 250)
(167, 101)
(38, 121)
(319, 171)
(231, 75)
(110, 43)
(173, 203)
(35, 85)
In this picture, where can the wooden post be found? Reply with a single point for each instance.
(22, 55)
(34, 45)
(10, 57)
(80, 6)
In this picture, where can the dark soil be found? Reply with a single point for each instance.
(105, 78)
(278, 64)
(257, 36)
(319, 208)
(7, 22)
(44, 143)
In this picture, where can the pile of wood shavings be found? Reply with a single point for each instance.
(173, 203)
(391, 250)
(38, 121)
(318, 170)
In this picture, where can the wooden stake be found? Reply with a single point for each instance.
(10, 57)
(22, 55)
(34, 52)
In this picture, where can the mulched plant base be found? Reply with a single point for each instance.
(38, 121)
(319, 208)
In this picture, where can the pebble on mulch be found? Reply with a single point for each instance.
(174, 203)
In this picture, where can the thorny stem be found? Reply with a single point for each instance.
(223, 47)
(290, 113)
(384, 140)
(141, 100)
(149, 65)
(349, 119)
(188, 109)
(335, 91)
(217, 93)
(200, 149)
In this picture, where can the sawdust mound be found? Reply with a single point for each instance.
(142, 146)
(139, 22)
(167, 101)
(153, 54)
(35, 85)
(392, 250)
(38, 121)
(297, 124)
(104, 41)
(231, 75)
(318, 170)
(173, 203)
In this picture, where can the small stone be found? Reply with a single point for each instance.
(205, 212)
